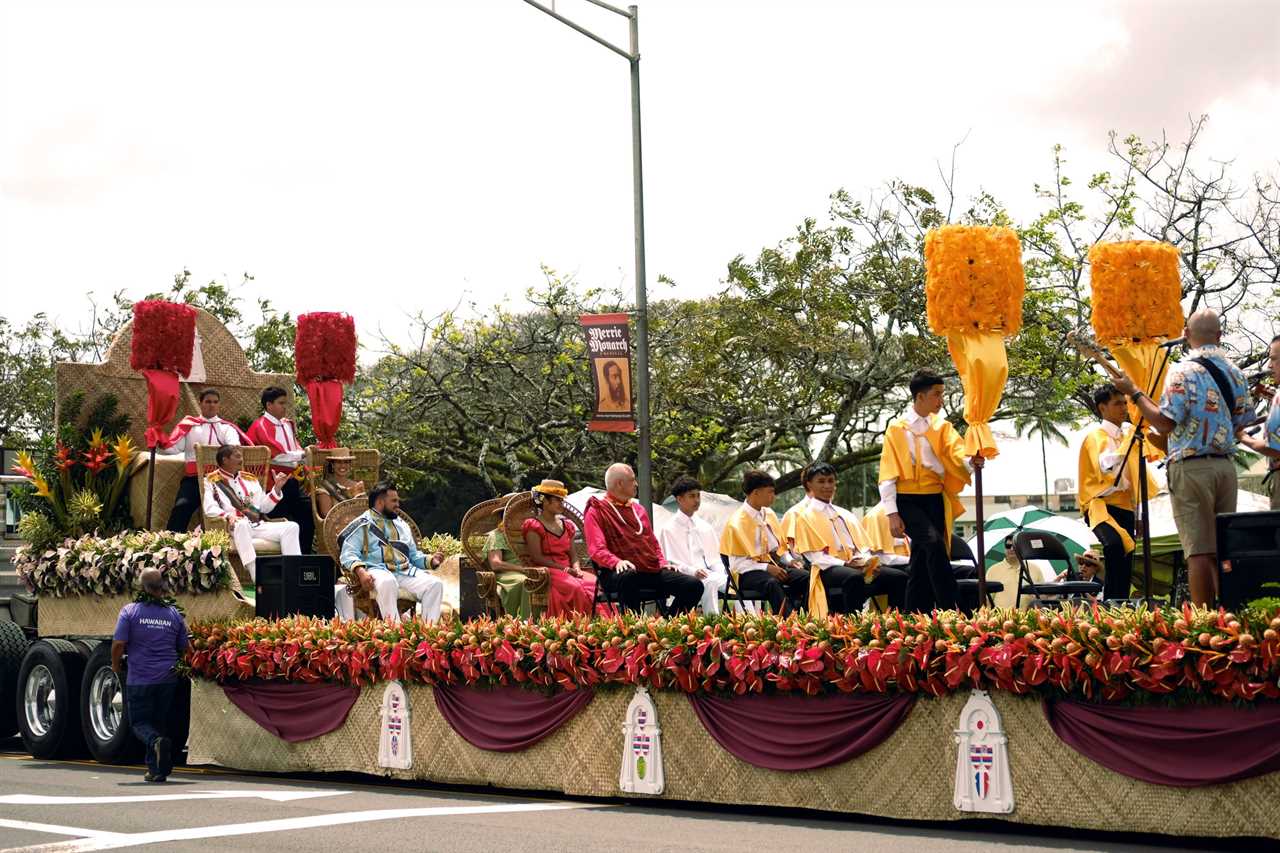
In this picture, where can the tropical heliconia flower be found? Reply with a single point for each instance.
(96, 458)
(64, 458)
(124, 451)
(96, 440)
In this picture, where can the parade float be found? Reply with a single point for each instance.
(1150, 720)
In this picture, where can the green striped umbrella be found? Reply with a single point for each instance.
(1072, 532)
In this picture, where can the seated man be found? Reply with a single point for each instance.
(891, 550)
(208, 429)
(836, 547)
(378, 548)
(236, 496)
(691, 545)
(630, 561)
(757, 550)
(277, 432)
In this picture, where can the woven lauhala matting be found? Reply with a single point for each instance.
(909, 776)
(96, 615)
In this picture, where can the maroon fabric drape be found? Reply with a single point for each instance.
(326, 410)
(162, 404)
(507, 719)
(291, 711)
(792, 732)
(1183, 746)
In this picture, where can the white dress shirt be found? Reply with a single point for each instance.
(293, 451)
(765, 542)
(690, 544)
(917, 425)
(212, 431)
(842, 531)
(1109, 460)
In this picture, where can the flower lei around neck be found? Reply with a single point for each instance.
(144, 597)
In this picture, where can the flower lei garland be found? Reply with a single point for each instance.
(1136, 291)
(1091, 653)
(974, 280)
(91, 565)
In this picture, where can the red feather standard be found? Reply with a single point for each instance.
(325, 348)
(164, 336)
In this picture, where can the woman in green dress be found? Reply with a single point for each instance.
(501, 560)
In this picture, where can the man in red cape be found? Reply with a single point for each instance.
(277, 432)
(627, 555)
(206, 428)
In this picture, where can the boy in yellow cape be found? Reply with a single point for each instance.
(836, 547)
(1107, 507)
(922, 470)
(880, 538)
(757, 551)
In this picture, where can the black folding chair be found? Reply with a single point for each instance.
(965, 567)
(607, 590)
(1037, 545)
(733, 592)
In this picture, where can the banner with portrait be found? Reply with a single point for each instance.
(609, 353)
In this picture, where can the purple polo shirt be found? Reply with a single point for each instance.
(154, 636)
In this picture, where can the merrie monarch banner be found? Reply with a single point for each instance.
(609, 353)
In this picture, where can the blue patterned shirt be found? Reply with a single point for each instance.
(1273, 423)
(361, 547)
(1202, 425)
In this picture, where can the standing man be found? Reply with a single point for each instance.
(1269, 444)
(1206, 400)
(236, 496)
(277, 432)
(757, 548)
(209, 428)
(153, 634)
(922, 470)
(378, 548)
(621, 543)
(691, 545)
(1107, 503)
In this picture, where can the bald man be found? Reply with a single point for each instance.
(153, 634)
(1206, 399)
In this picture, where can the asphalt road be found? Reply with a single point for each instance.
(80, 806)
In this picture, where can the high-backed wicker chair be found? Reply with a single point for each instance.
(481, 520)
(367, 468)
(338, 518)
(513, 517)
(257, 461)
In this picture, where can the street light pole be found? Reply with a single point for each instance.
(644, 460)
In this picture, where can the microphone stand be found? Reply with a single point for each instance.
(1144, 500)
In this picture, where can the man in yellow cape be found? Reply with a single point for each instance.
(1108, 506)
(757, 550)
(922, 471)
(836, 547)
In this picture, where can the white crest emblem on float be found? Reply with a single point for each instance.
(394, 749)
(982, 781)
(641, 748)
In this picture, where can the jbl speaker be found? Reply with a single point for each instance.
(1248, 556)
(469, 604)
(297, 585)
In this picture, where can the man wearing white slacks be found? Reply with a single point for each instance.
(238, 497)
(692, 546)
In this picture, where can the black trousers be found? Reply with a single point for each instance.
(848, 590)
(296, 507)
(1119, 580)
(891, 582)
(930, 582)
(634, 588)
(186, 505)
(794, 591)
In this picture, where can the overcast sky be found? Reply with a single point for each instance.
(383, 158)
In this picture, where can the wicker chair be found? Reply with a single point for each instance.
(477, 524)
(338, 518)
(257, 461)
(513, 516)
(366, 469)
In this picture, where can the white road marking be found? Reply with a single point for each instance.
(109, 841)
(277, 796)
(53, 828)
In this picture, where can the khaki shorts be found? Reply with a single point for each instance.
(1200, 490)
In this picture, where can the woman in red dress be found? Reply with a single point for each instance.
(548, 538)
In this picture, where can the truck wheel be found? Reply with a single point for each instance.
(49, 699)
(104, 718)
(13, 647)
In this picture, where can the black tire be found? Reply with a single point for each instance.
(48, 701)
(104, 716)
(13, 648)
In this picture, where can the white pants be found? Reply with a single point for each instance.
(712, 585)
(243, 533)
(343, 604)
(424, 586)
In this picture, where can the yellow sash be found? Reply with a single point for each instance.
(913, 478)
(1094, 481)
(744, 535)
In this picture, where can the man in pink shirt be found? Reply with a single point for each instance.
(628, 558)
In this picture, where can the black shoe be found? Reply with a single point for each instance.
(161, 751)
(151, 777)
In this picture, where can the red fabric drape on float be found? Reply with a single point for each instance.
(507, 719)
(1182, 746)
(162, 404)
(326, 411)
(794, 732)
(291, 711)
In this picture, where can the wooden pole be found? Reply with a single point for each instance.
(982, 538)
(151, 483)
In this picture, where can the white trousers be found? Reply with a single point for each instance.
(712, 585)
(243, 533)
(343, 604)
(424, 586)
